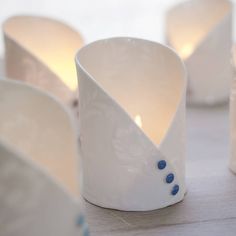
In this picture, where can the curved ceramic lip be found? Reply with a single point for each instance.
(77, 60)
(42, 92)
(210, 31)
(45, 18)
(41, 17)
(12, 149)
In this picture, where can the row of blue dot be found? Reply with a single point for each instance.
(169, 178)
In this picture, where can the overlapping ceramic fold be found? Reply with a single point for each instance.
(38, 165)
(40, 51)
(201, 32)
(119, 79)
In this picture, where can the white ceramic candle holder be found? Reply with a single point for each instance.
(201, 32)
(132, 124)
(41, 51)
(38, 165)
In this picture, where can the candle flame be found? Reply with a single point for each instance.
(186, 50)
(138, 121)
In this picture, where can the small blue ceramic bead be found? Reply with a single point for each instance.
(161, 164)
(86, 232)
(170, 178)
(80, 220)
(175, 189)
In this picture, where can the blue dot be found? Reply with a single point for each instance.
(170, 178)
(161, 164)
(86, 232)
(175, 190)
(80, 220)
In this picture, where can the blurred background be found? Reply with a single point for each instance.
(97, 19)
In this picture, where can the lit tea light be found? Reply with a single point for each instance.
(197, 29)
(138, 121)
(121, 162)
(186, 51)
(41, 51)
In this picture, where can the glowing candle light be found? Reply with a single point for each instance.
(41, 51)
(197, 29)
(138, 121)
(186, 50)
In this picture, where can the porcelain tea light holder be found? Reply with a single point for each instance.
(38, 165)
(41, 51)
(132, 124)
(201, 33)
